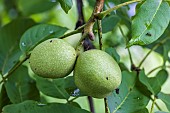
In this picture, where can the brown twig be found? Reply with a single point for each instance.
(106, 105)
(80, 21)
(88, 29)
(91, 104)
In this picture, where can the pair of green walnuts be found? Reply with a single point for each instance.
(95, 73)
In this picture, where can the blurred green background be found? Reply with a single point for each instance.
(57, 16)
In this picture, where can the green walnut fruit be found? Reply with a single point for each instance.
(96, 73)
(53, 58)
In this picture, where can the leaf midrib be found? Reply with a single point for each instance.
(7, 55)
(122, 102)
(62, 93)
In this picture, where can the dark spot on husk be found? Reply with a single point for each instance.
(107, 78)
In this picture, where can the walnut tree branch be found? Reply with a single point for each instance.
(88, 29)
(106, 12)
(80, 21)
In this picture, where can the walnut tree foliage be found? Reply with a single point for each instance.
(26, 23)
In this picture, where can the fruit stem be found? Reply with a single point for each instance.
(106, 12)
(71, 100)
(78, 30)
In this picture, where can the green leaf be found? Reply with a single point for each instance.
(162, 76)
(129, 99)
(124, 16)
(166, 49)
(165, 98)
(150, 22)
(4, 100)
(112, 52)
(66, 5)
(71, 88)
(10, 35)
(123, 67)
(91, 3)
(10, 6)
(21, 87)
(39, 33)
(35, 6)
(52, 87)
(109, 23)
(154, 84)
(69, 85)
(145, 110)
(35, 107)
(75, 104)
